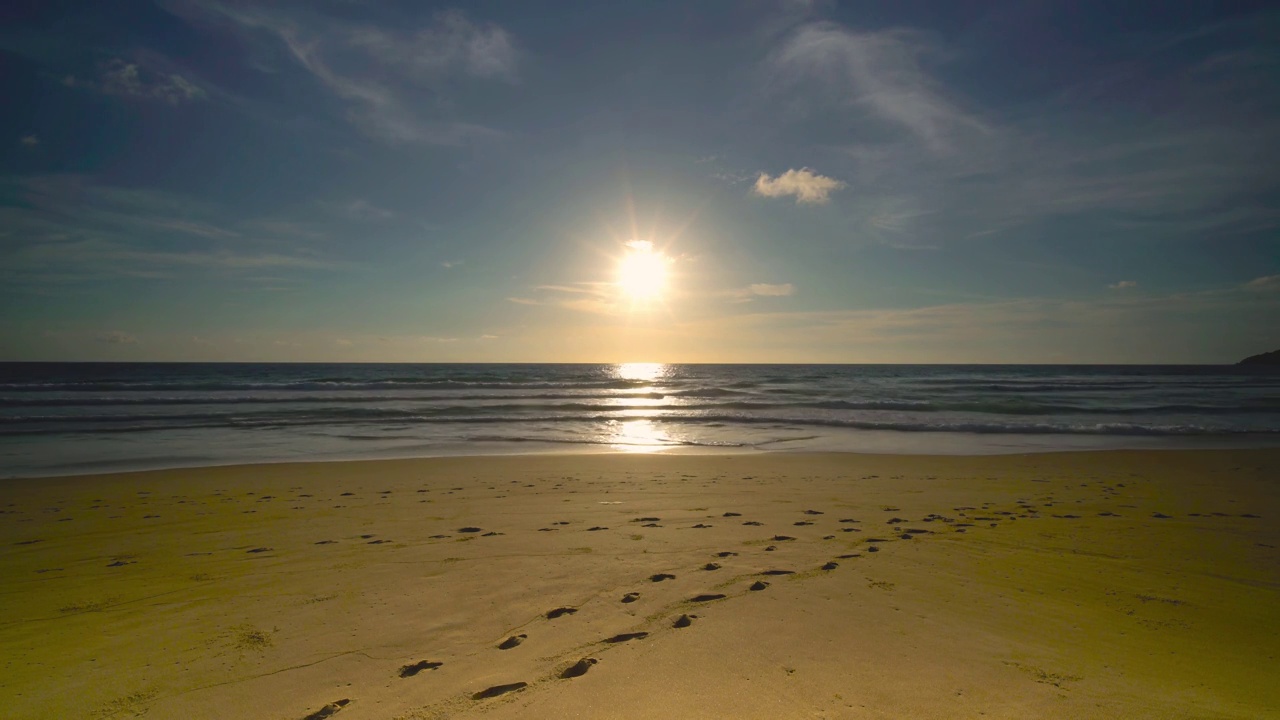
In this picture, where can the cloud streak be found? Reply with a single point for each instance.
(126, 79)
(397, 87)
(881, 73)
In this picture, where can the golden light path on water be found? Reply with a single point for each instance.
(639, 434)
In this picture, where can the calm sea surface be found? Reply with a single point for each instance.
(58, 418)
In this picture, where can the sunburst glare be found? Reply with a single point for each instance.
(642, 272)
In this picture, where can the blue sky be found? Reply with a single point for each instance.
(942, 181)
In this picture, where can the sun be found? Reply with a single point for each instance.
(642, 272)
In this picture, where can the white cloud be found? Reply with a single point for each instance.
(450, 264)
(1124, 285)
(1268, 282)
(804, 184)
(29, 141)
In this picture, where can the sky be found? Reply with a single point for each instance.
(922, 181)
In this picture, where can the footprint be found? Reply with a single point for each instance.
(497, 690)
(414, 669)
(326, 542)
(578, 669)
(771, 548)
(875, 548)
(512, 641)
(328, 710)
(778, 572)
(683, 621)
(593, 529)
(848, 520)
(850, 555)
(726, 553)
(752, 522)
(732, 514)
(758, 585)
(630, 597)
(662, 576)
(553, 614)
(1160, 515)
(802, 523)
(645, 519)
(469, 530)
(813, 512)
(711, 566)
(701, 525)
(627, 636)
(259, 550)
(782, 538)
(706, 597)
(831, 566)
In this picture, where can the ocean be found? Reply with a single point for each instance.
(63, 418)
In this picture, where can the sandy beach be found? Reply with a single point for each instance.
(1079, 585)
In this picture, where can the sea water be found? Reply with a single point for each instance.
(58, 418)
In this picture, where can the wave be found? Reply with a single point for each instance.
(314, 385)
(356, 417)
(341, 407)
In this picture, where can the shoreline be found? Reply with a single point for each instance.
(586, 449)
(1074, 584)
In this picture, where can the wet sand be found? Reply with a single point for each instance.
(1078, 585)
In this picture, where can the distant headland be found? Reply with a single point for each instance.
(1267, 358)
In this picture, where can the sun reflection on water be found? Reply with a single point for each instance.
(646, 372)
(638, 436)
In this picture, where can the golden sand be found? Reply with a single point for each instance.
(1080, 585)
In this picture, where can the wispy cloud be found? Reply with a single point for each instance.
(116, 337)
(127, 79)
(1123, 285)
(928, 164)
(67, 227)
(364, 210)
(757, 290)
(452, 45)
(772, 290)
(597, 298)
(398, 86)
(879, 72)
(807, 186)
(29, 141)
(1269, 282)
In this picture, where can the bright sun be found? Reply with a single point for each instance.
(642, 272)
